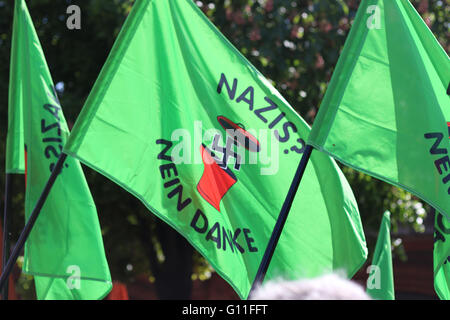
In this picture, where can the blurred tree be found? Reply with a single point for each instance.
(295, 44)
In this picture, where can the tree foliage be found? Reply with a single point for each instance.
(295, 44)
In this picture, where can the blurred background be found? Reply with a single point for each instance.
(296, 45)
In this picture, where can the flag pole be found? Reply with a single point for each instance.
(6, 238)
(282, 217)
(31, 221)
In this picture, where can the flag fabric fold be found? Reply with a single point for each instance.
(380, 284)
(64, 251)
(386, 110)
(15, 155)
(180, 119)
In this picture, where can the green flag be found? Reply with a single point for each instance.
(185, 123)
(64, 251)
(15, 157)
(380, 284)
(441, 257)
(386, 109)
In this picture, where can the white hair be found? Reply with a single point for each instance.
(327, 287)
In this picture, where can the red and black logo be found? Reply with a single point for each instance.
(217, 178)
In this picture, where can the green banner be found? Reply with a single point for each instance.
(380, 284)
(387, 107)
(15, 156)
(179, 118)
(64, 251)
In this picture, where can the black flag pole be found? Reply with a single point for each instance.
(31, 221)
(282, 217)
(6, 238)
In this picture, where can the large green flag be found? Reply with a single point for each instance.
(179, 118)
(380, 284)
(15, 157)
(386, 109)
(64, 251)
(441, 257)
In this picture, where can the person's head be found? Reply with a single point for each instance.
(327, 287)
